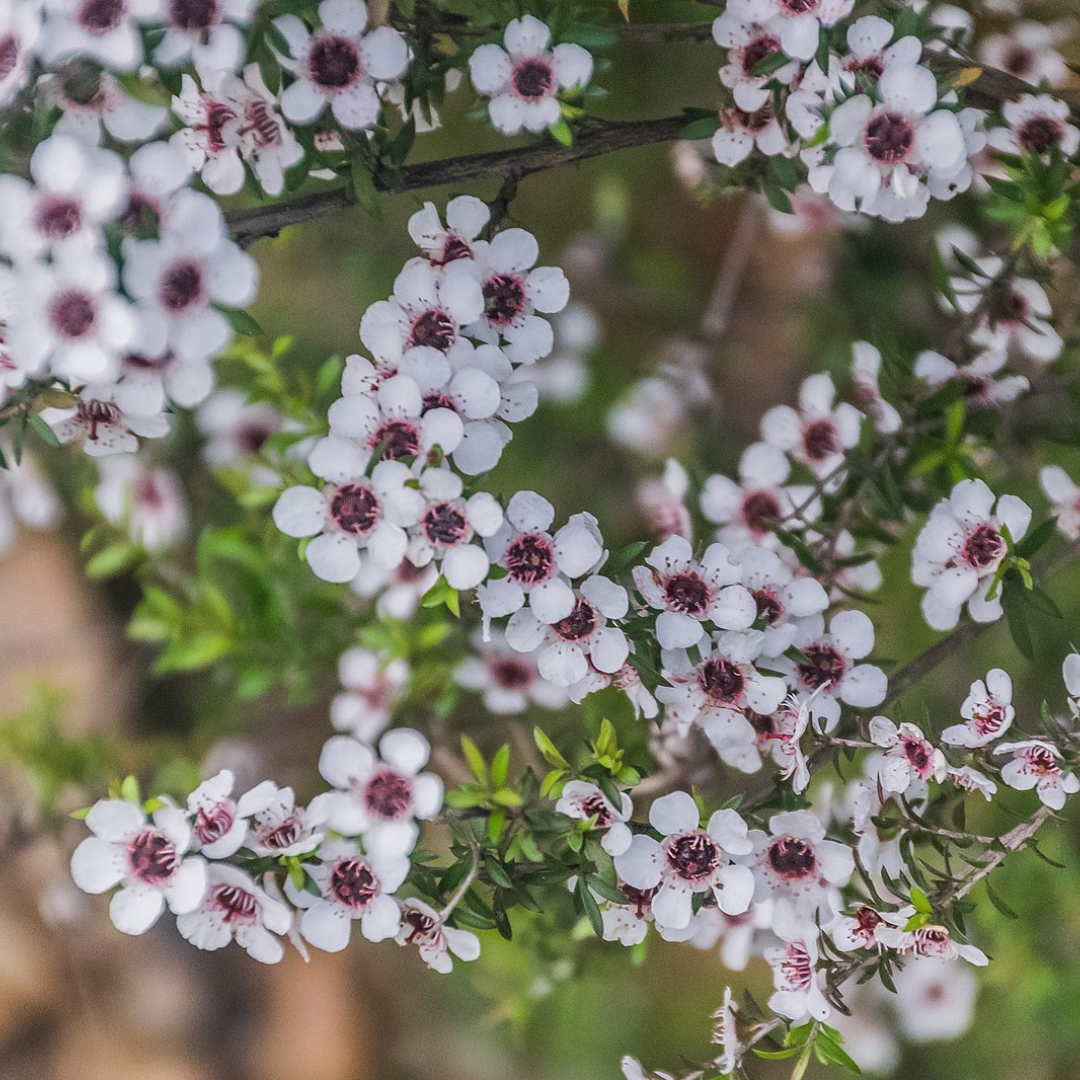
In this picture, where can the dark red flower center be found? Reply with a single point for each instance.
(757, 50)
(918, 754)
(389, 795)
(820, 440)
(454, 248)
(397, 438)
(445, 524)
(9, 54)
(792, 859)
(722, 680)
(533, 78)
(509, 673)
(594, 806)
(284, 834)
(73, 313)
(530, 559)
(504, 299)
(333, 62)
(687, 593)
(355, 509)
(434, 328)
(93, 414)
(235, 904)
(211, 825)
(152, 857)
(760, 509)
(889, 138)
(824, 665)
(579, 624)
(58, 217)
(98, 17)
(990, 720)
(181, 285)
(353, 882)
(768, 605)
(693, 856)
(421, 925)
(194, 15)
(983, 547)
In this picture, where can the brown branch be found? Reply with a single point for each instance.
(593, 138)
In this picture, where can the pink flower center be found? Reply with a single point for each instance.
(533, 79)
(594, 806)
(57, 217)
(687, 593)
(388, 795)
(235, 904)
(181, 285)
(397, 438)
(504, 299)
(434, 328)
(333, 63)
(262, 122)
(194, 15)
(983, 548)
(991, 720)
(421, 925)
(152, 857)
(768, 605)
(579, 624)
(98, 17)
(640, 899)
(919, 755)
(820, 440)
(757, 50)
(530, 559)
(93, 414)
(355, 509)
(211, 825)
(693, 856)
(868, 921)
(353, 883)
(872, 67)
(721, 680)
(284, 834)
(454, 248)
(799, 7)
(509, 673)
(760, 509)
(73, 314)
(9, 54)
(758, 120)
(795, 968)
(1041, 761)
(824, 666)
(792, 859)
(889, 138)
(931, 941)
(445, 524)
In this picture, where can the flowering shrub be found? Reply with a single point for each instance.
(746, 616)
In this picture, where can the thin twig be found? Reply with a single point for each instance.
(463, 888)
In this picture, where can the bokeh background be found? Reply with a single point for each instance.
(724, 302)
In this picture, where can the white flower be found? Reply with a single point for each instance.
(783, 740)
(109, 107)
(583, 638)
(1038, 124)
(421, 926)
(379, 796)
(508, 680)
(795, 865)
(625, 679)
(869, 52)
(586, 802)
(514, 289)
(75, 189)
(934, 999)
(537, 563)
(689, 592)
(146, 500)
(192, 267)
(1035, 765)
(865, 368)
(151, 378)
(156, 171)
(662, 502)
(780, 597)
(886, 147)
(427, 307)
(982, 390)
(339, 64)
(26, 497)
(909, 756)
(102, 425)
(829, 670)
(817, 435)
(20, 26)
(726, 1034)
(466, 218)
(203, 31)
(234, 907)
(928, 941)
(746, 511)
(796, 22)
(353, 513)
(219, 822)
(102, 30)
(523, 79)
(959, 551)
(798, 994)
(987, 712)
(355, 887)
(235, 429)
(689, 860)
(372, 687)
(747, 45)
(280, 827)
(70, 317)
(740, 132)
(1064, 495)
(209, 136)
(149, 860)
(737, 935)
(718, 691)
(1070, 672)
(1027, 52)
(398, 589)
(968, 779)
(1017, 318)
(858, 931)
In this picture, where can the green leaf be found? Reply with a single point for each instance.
(241, 322)
(920, 901)
(703, 128)
(829, 1052)
(1036, 539)
(112, 560)
(477, 765)
(44, 432)
(999, 903)
(1016, 618)
(589, 907)
(496, 823)
(129, 790)
(561, 133)
(549, 750)
(500, 766)
(364, 190)
(194, 652)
